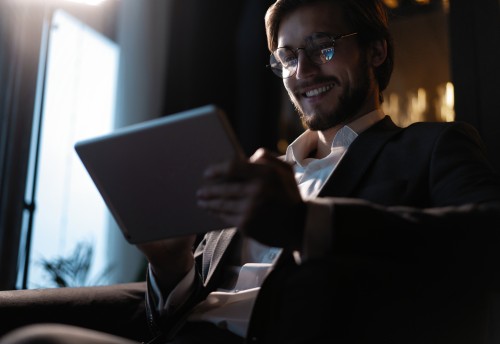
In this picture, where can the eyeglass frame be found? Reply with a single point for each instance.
(296, 50)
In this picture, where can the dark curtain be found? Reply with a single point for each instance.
(475, 50)
(20, 33)
(218, 54)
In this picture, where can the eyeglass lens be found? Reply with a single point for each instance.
(320, 48)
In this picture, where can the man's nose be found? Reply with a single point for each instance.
(305, 67)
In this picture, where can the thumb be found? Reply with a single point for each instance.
(264, 156)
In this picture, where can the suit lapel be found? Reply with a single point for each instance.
(216, 245)
(358, 158)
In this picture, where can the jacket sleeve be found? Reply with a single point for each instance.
(459, 170)
(458, 240)
(459, 223)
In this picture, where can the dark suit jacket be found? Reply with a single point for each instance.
(419, 196)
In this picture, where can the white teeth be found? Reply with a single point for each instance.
(318, 91)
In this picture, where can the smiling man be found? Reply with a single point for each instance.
(327, 94)
(364, 232)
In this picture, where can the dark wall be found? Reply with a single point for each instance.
(475, 56)
(220, 58)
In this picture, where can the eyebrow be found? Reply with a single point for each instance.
(309, 38)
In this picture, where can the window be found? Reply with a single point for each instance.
(69, 220)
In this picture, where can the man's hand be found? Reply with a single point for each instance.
(259, 196)
(170, 259)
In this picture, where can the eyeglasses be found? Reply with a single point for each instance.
(319, 48)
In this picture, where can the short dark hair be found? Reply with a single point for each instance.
(368, 17)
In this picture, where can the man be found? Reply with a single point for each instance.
(363, 232)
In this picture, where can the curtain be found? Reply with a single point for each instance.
(218, 54)
(143, 37)
(475, 52)
(20, 36)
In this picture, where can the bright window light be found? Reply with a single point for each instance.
(79, 103)
(85, 2)
(89, 2)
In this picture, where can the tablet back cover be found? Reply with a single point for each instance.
(148, 173)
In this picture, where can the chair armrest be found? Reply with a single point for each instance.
(117, 309)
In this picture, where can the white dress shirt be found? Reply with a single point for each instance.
(231, 308)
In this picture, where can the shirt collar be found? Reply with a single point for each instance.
(299, 149)
(364, 122)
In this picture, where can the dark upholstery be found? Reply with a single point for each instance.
(117, 309)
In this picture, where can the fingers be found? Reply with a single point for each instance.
(263, 156)
(222, 207)
(260, 154)
(231, 211)
(226, 199)
(235, 170)
(228, 190)
(230, 201)
(237, 191)
(260, 162)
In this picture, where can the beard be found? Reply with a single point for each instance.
(350, 101)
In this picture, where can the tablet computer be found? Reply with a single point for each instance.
(148, 173)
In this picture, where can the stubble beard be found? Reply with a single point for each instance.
(349, 103)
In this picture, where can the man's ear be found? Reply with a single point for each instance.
(378, 52)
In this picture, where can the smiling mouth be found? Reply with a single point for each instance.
(317, 91)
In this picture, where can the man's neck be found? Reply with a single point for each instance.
(326, 137)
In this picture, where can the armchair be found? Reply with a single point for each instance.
(116, 309)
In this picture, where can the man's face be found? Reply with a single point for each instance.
(337, 91)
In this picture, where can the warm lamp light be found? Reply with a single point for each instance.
(446, 103)
(391, 3)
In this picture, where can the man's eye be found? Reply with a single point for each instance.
(288, 59)
(327, 53)
(321, 54)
